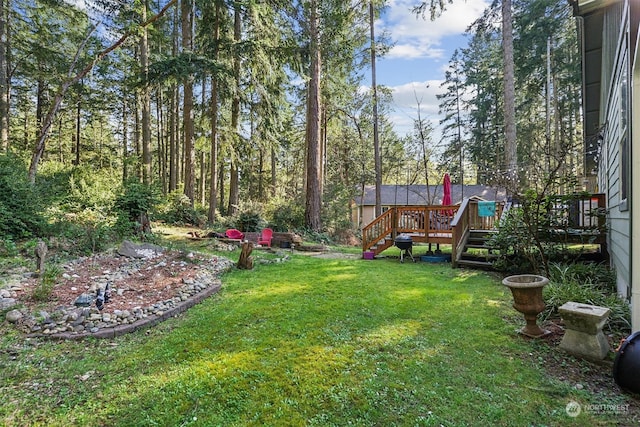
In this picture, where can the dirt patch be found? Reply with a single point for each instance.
(133, 282)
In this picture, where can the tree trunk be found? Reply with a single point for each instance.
(145, 100)
(221, 172)
(234, 196)
(187, 109)
(234, 179)
(213, 155)
(511, 149)
(125, 141)
(374, 93)
(5, 82)
(313, 200)
(173, 117)
(273, 172)
(173, 135)
(137, 136)
(77, 138)
(202, 178)
(162, 141)
(245, 262)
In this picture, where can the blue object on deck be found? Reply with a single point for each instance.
(486, 209)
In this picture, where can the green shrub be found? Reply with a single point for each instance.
(250, 220)
(177, 209)
(42, 292)
(8, 247)
(20, 208)
(134, 205)
(88, 189)
(286, 215)
(593, 284)
(599, 276)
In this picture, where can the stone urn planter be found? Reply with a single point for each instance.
(527, 299)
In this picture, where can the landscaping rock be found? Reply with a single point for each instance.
(145, 291)
(145, 250)
(6, 303)
(14, 316)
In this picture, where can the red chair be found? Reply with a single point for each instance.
(232, 233)
(265, 237)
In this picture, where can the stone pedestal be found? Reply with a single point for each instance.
(583, 330)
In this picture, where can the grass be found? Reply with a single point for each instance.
(312, 342)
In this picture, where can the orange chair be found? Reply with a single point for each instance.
(265, 237)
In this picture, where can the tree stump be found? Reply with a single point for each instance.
(41, 253)
(144, 224)
(245, 262)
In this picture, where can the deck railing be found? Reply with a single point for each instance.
(574, 218)
(424, 223)
(378, 229)
(453, 224)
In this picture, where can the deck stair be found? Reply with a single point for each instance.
(478, 252)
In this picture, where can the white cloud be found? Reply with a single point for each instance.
(416, 37)
(413, 51)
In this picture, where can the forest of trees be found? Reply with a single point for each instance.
(236, 107)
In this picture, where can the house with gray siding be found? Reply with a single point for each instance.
(608, 31)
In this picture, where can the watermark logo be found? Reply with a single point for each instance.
(573, 409)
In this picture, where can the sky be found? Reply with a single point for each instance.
(415, 66)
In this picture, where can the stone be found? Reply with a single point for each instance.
(14, 316)
(583, 330)
(84, 300)
(132, 250)
(89, 319)
(7, 303)
(41, 254)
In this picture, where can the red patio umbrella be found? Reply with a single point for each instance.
(444, 222)
(446, 191)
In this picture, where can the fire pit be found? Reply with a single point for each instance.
(404, 242)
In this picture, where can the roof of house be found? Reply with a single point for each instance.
(401, 195)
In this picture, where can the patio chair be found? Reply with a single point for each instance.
(265, 237)
(232, 233)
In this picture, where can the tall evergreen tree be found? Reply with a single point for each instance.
(313, 198)
(5, 87)
(186, 25)
(452, 105)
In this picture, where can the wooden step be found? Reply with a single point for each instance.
(479, 256)
(482, 233)
(477, 240)
(474, 264)
(475, 246)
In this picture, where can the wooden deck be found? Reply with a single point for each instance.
(425, 224)
(574, 219)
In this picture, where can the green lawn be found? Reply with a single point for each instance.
(318, 342)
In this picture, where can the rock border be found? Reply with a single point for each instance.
(144, 323)
(80, 321)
